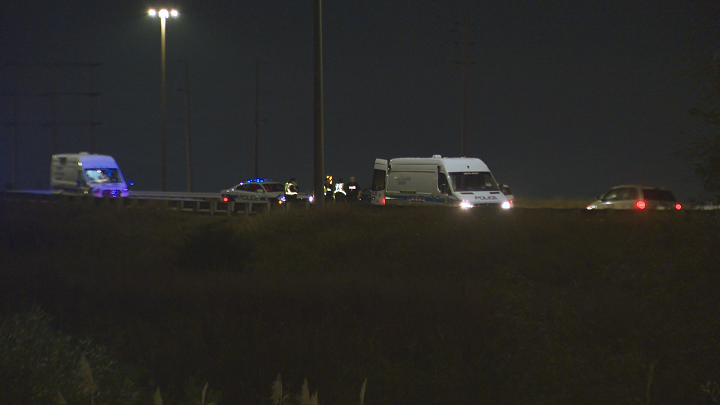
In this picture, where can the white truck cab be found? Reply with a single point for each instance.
(87, 174)
(436, 181)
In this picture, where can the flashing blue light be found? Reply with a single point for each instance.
(258, 180)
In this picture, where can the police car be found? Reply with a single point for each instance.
(260, 191)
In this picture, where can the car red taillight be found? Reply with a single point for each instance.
(678, 206)
(640, 204)
(225, 199)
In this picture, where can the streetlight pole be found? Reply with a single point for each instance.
(163, 14)
(319, 138)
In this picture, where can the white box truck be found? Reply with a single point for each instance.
(87, 174)
(436, 181)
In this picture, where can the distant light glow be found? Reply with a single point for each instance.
(163, 13)
(678, 206)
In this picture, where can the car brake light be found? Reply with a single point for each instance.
(225, 199)
(383, 201)
(678, 206)
(640, 204)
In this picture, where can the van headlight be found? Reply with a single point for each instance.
(506, 205)
(465, 204)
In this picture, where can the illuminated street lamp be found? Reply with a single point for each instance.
(163, 14)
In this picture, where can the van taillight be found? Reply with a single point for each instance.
(383, 201)
(678, 206)
(640, 204)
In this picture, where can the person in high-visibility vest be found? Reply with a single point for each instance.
(329, 188)
(340, 192)
(291, 190)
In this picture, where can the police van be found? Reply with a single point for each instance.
(436, 181)
(87, 174)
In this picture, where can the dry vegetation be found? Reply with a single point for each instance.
(430, 306)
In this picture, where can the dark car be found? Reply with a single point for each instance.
(633, 197)
(365, 196)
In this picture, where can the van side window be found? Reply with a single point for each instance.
(443, 183)
(612, 195)
(631, 193)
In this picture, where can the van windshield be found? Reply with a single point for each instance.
(102, 175)
(473, 181)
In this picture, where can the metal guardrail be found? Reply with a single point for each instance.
(182, 201)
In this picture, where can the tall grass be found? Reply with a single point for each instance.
(432, 306)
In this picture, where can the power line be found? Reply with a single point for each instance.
(53, 94)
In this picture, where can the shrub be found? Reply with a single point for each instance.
(39, 365)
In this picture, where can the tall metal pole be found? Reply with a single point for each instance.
(319, 178)
(162, 108)
(187, 128)
(54, 124)
(92, 110)
(14, 145)
(257, 116)
(464, 65)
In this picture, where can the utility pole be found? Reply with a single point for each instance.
(188, 144)
(257, 116)
(319, 147)
(464, 43)
(91, 110)
(14, 140)
(54, 123)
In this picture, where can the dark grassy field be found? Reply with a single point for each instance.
(437, 306)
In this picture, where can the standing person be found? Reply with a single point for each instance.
(291, 190)
(340, 192)
(329, 188)
(353, 191)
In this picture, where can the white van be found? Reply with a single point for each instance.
(87, 174)
(436, 181)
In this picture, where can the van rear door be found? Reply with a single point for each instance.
(379, 182)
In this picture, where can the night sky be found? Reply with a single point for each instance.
(564, 98)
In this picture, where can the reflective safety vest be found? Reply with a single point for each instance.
(339, 188)
(291, 188)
